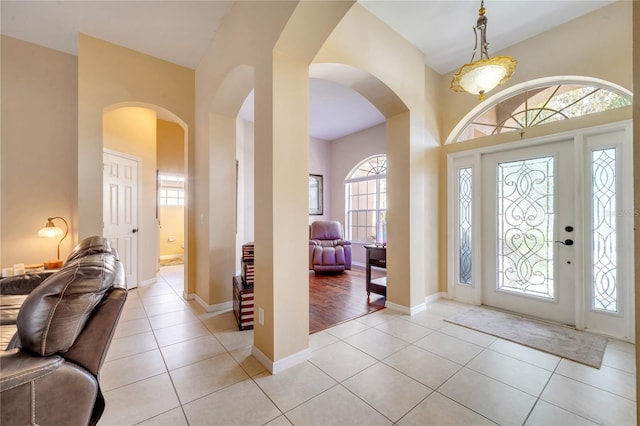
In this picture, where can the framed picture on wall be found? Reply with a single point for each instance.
(315, 194)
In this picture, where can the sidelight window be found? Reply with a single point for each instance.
(604, 230)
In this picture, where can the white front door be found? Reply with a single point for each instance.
(120, 210)
(529, 231)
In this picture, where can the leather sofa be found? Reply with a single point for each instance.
(49, 370)
(328, 251)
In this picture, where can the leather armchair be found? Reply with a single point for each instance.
(328, 251)
(49, 371)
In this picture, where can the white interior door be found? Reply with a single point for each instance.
(120, 210)
(529, 230)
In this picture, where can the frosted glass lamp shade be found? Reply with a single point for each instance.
(482, 76)
(50, 231)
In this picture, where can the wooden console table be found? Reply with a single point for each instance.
(376, 256)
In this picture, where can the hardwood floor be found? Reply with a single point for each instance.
(335, 298)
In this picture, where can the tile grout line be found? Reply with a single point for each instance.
(173, 385)
(228, 352)
(368, 327)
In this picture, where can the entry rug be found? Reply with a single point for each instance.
(562, 341)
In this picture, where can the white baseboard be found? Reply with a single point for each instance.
(358, 264)
(282, 364)
(405, 309)
(224, 306)
(188, 296)
(418, 308)
(433, 297)
(149, 281)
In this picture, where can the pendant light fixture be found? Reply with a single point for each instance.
(483, 75)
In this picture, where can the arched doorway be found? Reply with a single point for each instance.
(130, 134)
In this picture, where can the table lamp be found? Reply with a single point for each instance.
(50, 230)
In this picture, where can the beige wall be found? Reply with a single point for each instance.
(636, 182)
(319, 164)
(110, 76)
(38, 159)
(245, 200)
(170, 159)
(171, 231)
(170, 147)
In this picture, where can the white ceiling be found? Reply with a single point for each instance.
(176, 31)
(443, 30)
(180, 32)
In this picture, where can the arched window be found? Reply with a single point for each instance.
(538, 103)
(366, 201)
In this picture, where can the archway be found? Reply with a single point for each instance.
(281, 75)
(130, 128)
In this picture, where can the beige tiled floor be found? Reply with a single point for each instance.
(171, 363)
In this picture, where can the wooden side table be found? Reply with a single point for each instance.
(376, 256)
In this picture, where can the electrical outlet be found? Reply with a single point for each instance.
(260, 316)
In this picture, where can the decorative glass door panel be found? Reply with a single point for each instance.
(465, 228)
(604, 230)
(527, 205)
(525, 222)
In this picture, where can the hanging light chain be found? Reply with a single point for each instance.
(479, 77)
(481, 25)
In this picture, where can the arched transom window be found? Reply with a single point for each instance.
(542, 104)
(366, 200)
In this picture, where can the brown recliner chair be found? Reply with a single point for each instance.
(49, 372)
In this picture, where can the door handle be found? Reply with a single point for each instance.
(567, 242)
(135, 230)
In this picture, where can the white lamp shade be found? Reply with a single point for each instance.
(50, 232)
